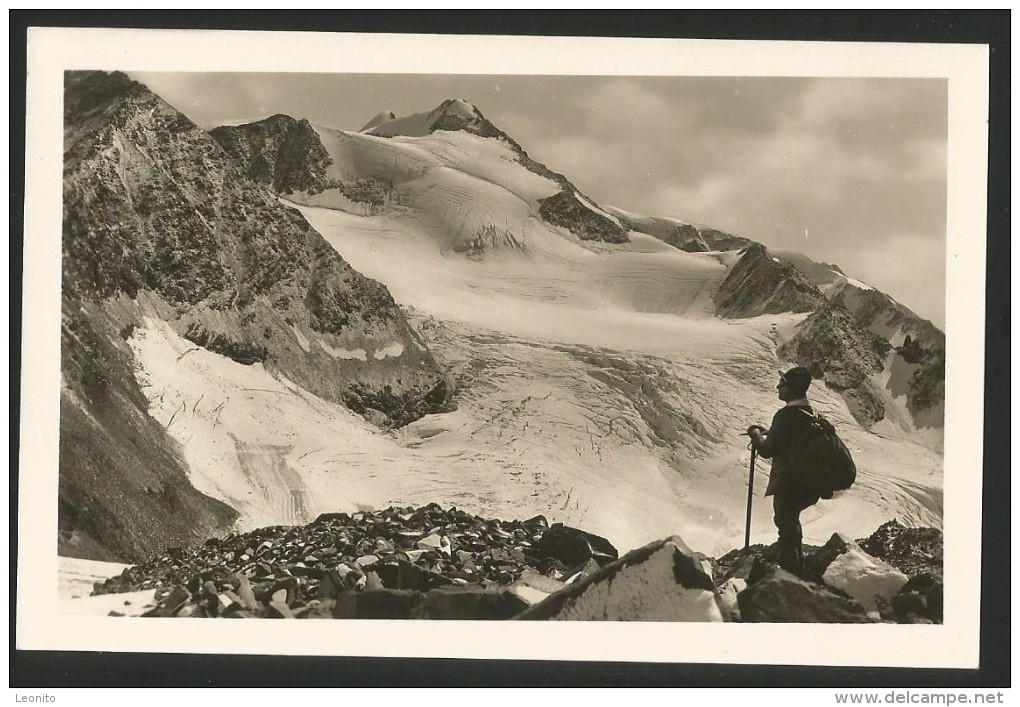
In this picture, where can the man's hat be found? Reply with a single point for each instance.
(798, 377)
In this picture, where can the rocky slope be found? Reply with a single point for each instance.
(258, 147)
(918, 357)
(160, 225)
(435, 563)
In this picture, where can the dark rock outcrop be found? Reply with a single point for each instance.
(566, 210)
(760, 284)
(844, 355)
(920, 600)
(920, 350)
(157, 221)
(286, 155)
(575, 547)
(123, 491)
(913, 551)
(916, 368)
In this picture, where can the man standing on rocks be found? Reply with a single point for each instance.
(790, 497)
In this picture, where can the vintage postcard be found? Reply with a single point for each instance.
(503, 347)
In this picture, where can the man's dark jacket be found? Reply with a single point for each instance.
(789, 427)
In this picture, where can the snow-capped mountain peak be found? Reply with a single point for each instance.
(451, 114)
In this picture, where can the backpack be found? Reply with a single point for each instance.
(824, 463)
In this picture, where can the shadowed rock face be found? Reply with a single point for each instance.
(837, 350)
(282, 152)
(913, 551)
(757, 284)
(918, 344)
(159, 222)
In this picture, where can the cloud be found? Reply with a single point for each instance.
(910, 268)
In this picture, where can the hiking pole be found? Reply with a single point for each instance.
(750, 494)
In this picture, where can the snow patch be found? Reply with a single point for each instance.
(348, 354)
(301, 339)
(76, 576)
(858, 284)
(394, 350)
(591, 207)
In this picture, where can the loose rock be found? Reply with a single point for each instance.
(776, 596)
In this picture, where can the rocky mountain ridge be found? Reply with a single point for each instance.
(689, 237)
(158, 223)
(854, 335)
(760, 284)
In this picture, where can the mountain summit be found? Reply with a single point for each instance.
(451, 114)
(431, 162)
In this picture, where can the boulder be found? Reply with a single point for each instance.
(843, 564)
(662, 581)
(404, 575)
(530, 578)
(776, 596)
(920, 600)
(575, 547)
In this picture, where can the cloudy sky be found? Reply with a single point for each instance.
(845, 170)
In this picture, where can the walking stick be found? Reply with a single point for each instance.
(750, 494)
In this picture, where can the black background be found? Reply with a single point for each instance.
(42, 669)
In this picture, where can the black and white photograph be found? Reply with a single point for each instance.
(376, 342)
